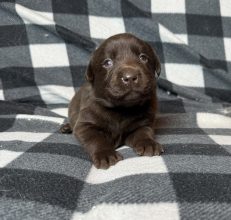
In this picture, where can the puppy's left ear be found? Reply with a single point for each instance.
(89, 73)
(155, 61)
(157, 65)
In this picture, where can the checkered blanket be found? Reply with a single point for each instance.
(44, 49)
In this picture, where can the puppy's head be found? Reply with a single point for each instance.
(123, 71)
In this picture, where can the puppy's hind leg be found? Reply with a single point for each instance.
(66, 128)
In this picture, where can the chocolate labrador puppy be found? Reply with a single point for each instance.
(117, 104)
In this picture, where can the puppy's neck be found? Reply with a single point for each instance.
(124, 107)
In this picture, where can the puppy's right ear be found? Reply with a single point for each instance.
(89, 73)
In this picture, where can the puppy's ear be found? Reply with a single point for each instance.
(155, 61)
(89, 73)
(157, 65)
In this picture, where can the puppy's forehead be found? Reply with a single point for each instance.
(118, 46)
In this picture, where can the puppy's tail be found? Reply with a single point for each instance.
(66, 128)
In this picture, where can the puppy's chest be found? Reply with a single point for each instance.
(122, 124)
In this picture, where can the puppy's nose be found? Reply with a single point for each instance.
(130, 78)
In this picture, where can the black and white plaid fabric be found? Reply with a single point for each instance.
(45, 47)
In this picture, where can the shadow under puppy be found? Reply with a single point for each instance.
(117, 104)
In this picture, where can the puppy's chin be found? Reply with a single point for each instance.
(126, 100)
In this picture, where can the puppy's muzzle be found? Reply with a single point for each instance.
(130, 76)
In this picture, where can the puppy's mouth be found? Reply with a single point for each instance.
(128, 97)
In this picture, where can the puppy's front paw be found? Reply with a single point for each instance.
(66, 129)
(148, 148)
(106, 158)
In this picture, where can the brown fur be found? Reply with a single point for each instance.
(117, 104)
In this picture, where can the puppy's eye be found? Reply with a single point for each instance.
(107, 63)
(143, 58)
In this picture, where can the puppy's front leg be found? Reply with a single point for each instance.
(98, 144)
(143, 143)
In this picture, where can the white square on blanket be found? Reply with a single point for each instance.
(131, 211)
(49, 55)
(225, 8)
(185, 74)
(53, 94)
(227, 43)
(170, 37)
(30, 16)
(1, 91)
(102, 27)
(168, 6)
(7, 157)
(1, 95)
